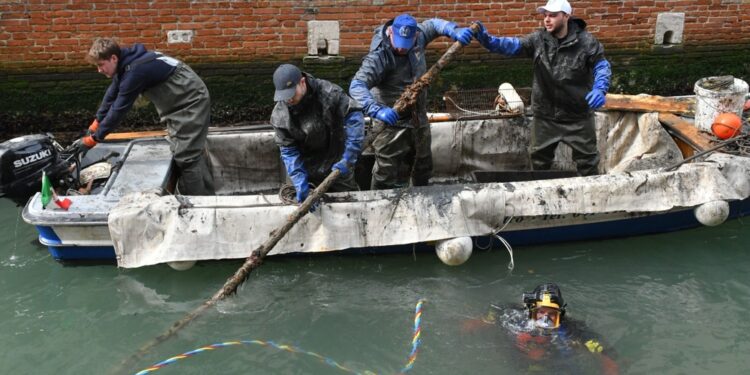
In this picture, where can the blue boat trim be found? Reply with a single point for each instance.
(65, 253)
(47, 236)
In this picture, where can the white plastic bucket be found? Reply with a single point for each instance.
(710, 103)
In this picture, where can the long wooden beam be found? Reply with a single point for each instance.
(133, 135)
(650, 103)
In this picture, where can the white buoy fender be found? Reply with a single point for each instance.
(182, 265)
(454, 251)
(712, 213)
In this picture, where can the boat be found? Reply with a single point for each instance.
(482, 189)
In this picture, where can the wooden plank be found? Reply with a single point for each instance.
(686, 131)
(650, 103)
(134, 135)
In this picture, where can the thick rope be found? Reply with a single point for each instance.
(412, 358)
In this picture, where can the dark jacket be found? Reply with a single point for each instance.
(563, 350)
(563, 71)
(387, 74)
(315, 125)
(137, 71)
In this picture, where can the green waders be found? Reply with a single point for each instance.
(183, 103)
(579, 135)
(395, 151)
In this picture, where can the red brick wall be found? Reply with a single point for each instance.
(56, 34)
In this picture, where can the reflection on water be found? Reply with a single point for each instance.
(673, 303)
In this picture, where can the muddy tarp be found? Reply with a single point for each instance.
(148, 229)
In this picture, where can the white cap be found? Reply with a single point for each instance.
(556, 6)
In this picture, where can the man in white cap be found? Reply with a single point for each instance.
(571, 78)
(318, 128)
(396, 60)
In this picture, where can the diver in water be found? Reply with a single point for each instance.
(551, 342)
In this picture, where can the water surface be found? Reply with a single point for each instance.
(670, 304)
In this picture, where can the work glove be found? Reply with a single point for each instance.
(508, 46)
(302, 192)
(461, 34)
(354, 127)
(83, 145)
(482, 36)
(596, 98)
(359, 91)
(292, 159)
(387, 115)
(93, 127)
(602, 73)
(343, 166)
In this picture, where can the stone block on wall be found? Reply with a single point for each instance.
(669, 28)
(322, 38)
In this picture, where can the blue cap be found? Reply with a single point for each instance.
(404, 28)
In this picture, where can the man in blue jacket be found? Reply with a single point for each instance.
(396, 59)
(571, 78)
(318, 128)
(179, 95)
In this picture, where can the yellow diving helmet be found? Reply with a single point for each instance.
(545, 305)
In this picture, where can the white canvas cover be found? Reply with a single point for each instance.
(148, 229)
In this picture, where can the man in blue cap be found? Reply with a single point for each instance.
(318, 128)
(396, 59)
(571, 78)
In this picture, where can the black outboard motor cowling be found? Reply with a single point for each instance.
(22, 161)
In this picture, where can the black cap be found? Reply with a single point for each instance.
(285, 79)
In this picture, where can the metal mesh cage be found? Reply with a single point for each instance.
(503, 102)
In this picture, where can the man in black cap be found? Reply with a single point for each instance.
(318, 128)
(396, 60)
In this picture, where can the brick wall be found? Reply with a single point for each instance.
(55, 34)
(46, 85)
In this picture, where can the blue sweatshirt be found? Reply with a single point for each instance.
(137, 71)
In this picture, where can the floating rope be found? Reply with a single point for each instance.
(416, 340)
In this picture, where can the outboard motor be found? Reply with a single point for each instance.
(22, 161)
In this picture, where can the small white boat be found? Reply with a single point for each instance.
(482, 187)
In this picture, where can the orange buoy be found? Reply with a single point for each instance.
(726, 125)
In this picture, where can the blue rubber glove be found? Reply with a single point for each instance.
(359, 91)
(602, 73)
(504, 45)
(343, 166)
(596, 98)
(354, 127)
(302, 192)
(387, 115)
(461, 34)
(296, 171)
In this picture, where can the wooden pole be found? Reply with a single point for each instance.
(407, 99)
(705, 152)
(230, 286)
(410, 95)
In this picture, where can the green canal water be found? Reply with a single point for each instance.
(675, 303)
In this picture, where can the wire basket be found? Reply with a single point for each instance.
(484, 103)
